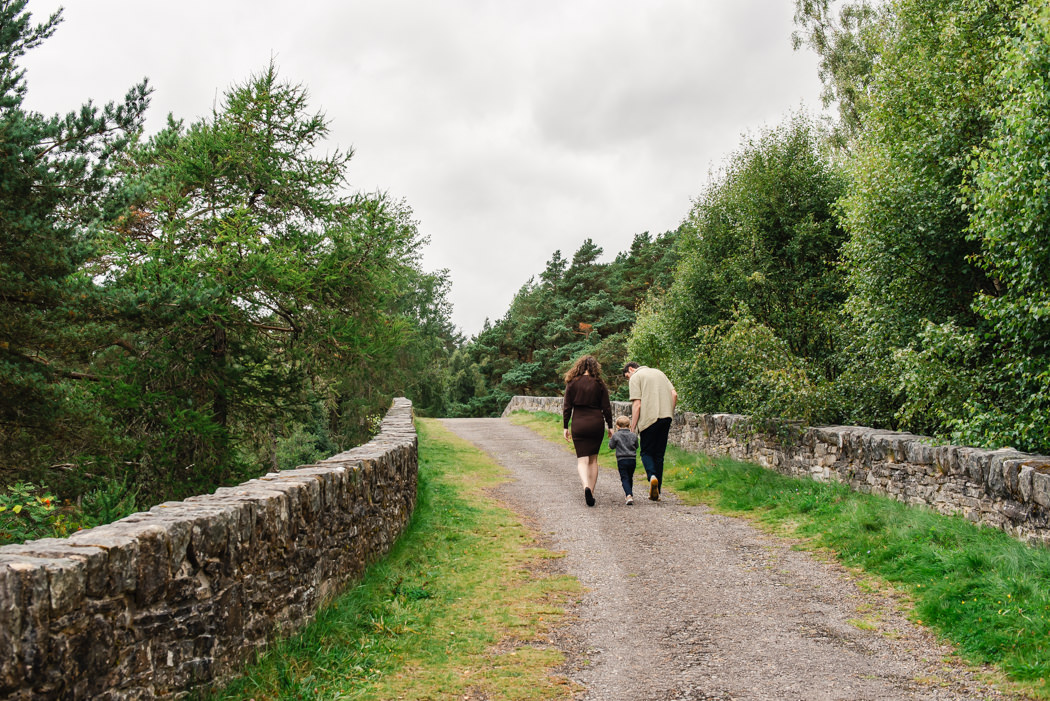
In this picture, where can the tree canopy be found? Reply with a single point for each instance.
(756, 288)
(198, 306)
(921, 305)
(57, 192)
(184, 309)
(576, 307)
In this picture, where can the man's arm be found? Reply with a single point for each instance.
(674, 401)
(636, 412)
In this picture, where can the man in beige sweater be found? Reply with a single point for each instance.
(653, 399)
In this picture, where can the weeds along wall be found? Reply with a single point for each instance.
(160, 602)
(1002, 488)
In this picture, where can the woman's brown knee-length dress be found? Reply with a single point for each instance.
(587, 404)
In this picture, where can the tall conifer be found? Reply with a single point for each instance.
(56, 190)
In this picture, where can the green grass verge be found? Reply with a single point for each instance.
(460, 608)
(982, 590)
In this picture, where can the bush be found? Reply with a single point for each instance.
(743, 367)
(749, 324)
(27, 512)
(30, 512)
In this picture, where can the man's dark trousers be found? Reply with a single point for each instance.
(652, 446)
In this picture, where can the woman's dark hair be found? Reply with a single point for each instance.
(585, 364)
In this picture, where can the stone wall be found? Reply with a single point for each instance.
(187, 593)
(553, 405)
(1003, 488)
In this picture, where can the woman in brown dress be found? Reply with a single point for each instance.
(587, 404)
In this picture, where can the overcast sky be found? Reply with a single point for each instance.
(512, 128)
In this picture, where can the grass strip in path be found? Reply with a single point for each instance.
(460, 608)
(982, 590)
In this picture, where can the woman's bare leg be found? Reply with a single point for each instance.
(588, 469)
(587, 476)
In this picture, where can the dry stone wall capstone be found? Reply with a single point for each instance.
(160, 602)
(1004, 488)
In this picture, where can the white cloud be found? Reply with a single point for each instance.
(511, 128)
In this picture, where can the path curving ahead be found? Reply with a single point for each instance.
(682, 603)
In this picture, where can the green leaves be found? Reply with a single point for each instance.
(218, 305)
(56, 190)
(925, 352)
(577, 307)
(847, 43)
(25, 512)
(742, 363)
(254, 286)
(757, 268)
(1010, 200)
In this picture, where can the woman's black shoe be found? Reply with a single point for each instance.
(588, 497)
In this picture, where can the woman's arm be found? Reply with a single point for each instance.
(566, 411)
(607, 409)
(566, 407)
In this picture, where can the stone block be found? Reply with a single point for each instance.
(121, 550)
(1011, 474)
(1003, 467)
(996, 476)
(25, 587)
(967, 462)
(210, 534)
(153, 560)
(92, 646)
(177, 518)
(1013, 511)
(1025, 480)
(66, 581)
(1041, 484)
(918, 452)
(307, 492)
(831, 435)
(93, 559)
(12, 669)
(893, 445)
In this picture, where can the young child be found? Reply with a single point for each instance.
(625, 444)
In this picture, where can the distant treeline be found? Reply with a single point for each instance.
(193, 308)
(889, 268)
(575, 307)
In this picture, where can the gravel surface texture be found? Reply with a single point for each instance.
(682, 603)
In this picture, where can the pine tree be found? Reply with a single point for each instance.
(254, 290)
(56, 190)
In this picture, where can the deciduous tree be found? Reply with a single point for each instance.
(254, 288)
(758, 254)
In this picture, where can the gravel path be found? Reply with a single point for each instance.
(682, 603)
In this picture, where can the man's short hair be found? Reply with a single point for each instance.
(628, 366)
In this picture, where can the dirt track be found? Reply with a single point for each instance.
(685, 604)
